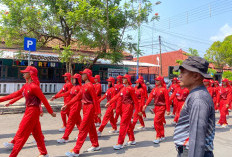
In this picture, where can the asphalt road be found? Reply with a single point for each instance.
(144, 147)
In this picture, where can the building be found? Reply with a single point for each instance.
(51, 69)
(168, 62)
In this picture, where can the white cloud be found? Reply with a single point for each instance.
(224, 31)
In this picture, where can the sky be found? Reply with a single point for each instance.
(186, 24)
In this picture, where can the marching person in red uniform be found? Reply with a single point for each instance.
(109, 115)
(139, 92)
(145, 93)
(88, 97)
(181, 94)
(223, 101)
(118, 87)
(30, 123)
(129, 102)
(67, 86)
(171, 89)
(161, 102)
(216, 91)
(75, 109)
(210, 89)
(98, 89)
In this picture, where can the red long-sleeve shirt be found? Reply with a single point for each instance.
(127, 96)
(225, 94)
(32, 94)
(118, 87)
(139, 92)
(110, 93)
(160, 96)
(98, 90)
(67, 86)
(70, 93)
(180, 94)
(87, 95)
(210, 90)
(145, 90)
(173, 87)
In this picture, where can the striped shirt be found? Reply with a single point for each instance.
(196, 126)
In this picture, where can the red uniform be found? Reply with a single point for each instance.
(180, 94)
(109, 115)
(139, 92)
(30, 123)
(118, 87)
(75, 108)
(161, 102)
(98, 89)
(171, 89)
(88, 97)
(67, 86)
(145, 93)
(129, 101)
(216, 91)
(224, 99)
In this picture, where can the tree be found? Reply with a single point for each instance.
(193, 52)
(227, 74)
(96, 24)
(220, 53)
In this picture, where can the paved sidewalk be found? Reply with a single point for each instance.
(144, 148)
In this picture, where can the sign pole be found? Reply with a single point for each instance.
(29, 58)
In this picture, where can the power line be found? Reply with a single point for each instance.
(205, 11)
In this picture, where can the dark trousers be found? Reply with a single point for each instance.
(183, 152)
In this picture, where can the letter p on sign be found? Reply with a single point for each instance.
(29, 44)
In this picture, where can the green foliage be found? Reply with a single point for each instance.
(220, 53)
(193, 52)
(227, 74)
(97, 24)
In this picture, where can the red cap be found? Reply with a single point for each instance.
(78, 77)
(89, 74)
(67, 75)
(174, 79)
(98, 78)
(128, 77)
(206, 80)
(119, 78)
(30, 69)
(111, 79)
(160, 78)
(141, 78)
(225, 80)
(139, 81)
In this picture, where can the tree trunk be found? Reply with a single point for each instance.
(70, 66)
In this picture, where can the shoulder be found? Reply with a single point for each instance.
(34, 86)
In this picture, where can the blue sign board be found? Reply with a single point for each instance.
(29, 44)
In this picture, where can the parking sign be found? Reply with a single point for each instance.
(29, 44)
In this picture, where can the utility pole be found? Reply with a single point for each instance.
(160, 56)
(137, 69)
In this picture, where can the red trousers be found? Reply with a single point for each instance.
(118, 111)
(64, 115)
(136, 117)
(126, 126)
(87, 126)
(179, 107)
(109, 116)
(29, 125)
(74, 118)
(215, 103)
(223, 113)
(159, 120)
(175, 106)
